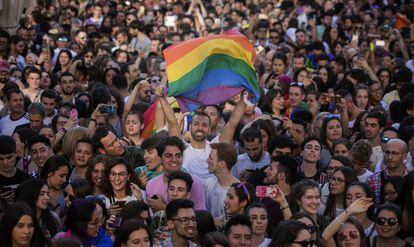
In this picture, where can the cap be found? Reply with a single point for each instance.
(4, 66)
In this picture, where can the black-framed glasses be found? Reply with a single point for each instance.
(352, 234)
(336, 180)
(390, 221)
(186, 220)
(312, 229)
(305, 243)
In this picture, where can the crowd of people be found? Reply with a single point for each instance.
(324, 158)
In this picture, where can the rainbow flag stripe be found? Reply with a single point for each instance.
(210, 70)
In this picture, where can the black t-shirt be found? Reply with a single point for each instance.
(14, 181)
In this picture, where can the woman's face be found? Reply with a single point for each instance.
(268, 61)
(353, 193)
(43, 199)
(118, 177)
(60, 123)
(258, 217)
(349, 236)
(333, 33)
(232, 203)
(333, 130)
(57, 178)
(83, 153)
(92, 228)
(332, 166)
(341, 149)
(362, 99)
(132, 125)
(387, 230)
(311, 227)
(337, 183)
(265, 139)
(97, 173)
(390, 193)
(122, 57)
(338, 49)
(384, 77)
(64, 59)
(138, 238)
(109, 75)
(86, 100)
(278, 102)
(88, 58)
(23, 231)
(48, 133)
(303, 235)
(310, 201)
(302, 76)
(45, 81)
(323, 74)
(278, 67)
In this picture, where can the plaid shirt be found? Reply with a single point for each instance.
(375, 183)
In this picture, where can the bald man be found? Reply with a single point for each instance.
(395, 152)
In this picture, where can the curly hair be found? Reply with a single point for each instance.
(361, 152)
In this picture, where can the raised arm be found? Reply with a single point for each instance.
(228, 131)
(173, 126)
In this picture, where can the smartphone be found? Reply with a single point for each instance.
(380, 43)
(117, 222)
(74, 113)
(265, 191)
(121, 204)
(107, 109)
(170, 21)
(337, 99)
(355, 38)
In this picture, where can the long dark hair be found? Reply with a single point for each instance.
(350, 177)
(324, 135)
(106, 187)
(28, 192)
(77, 218)
(299, 189)
(122, 234)
(58, 66)
(91, 165)
(53, 164)
(133, 210)
(10, 219)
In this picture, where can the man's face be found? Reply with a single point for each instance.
(298, 63)
(172, 159)
(177, 189)
(254, 149)
(376, 91)
(82, 38)
(311, 151)
(240, 236)
(16, 103)
(282, 151)
(144, 94)
(184, 224)
(200, 128)
(300, 38)
(3, 43)
(271, 173)
(49, 104)
(213, 114)
(4, 77)
(40, 153)
(372, 128)
(20, 47)
(133, 72)
(36, 122)
(212, 161)
(33, 79)
(112, 145)
(296, 96)
(394, 155)
(68, 84)
(7, 162)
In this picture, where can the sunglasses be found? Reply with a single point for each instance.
(300, 84)
(390, 221)
(352, 234)
(305, 243)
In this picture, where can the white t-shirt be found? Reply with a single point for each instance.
(245, 163)
(265, 243)
(376, 156)
(215, 196)
(7, 125)
(363, 178)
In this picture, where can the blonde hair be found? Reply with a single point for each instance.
(71, 138)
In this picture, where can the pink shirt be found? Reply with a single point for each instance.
(156, 186)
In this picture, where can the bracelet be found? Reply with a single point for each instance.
(283, 208)
(340, 222)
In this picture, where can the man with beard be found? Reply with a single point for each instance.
(198, 150)
(254, 158)
(17, 114)
(182, 222)
(36, 116)
(67, 83)
(40, 150)
(48, 99)
(374, 124)
(4, 73)
(283, 173)
(171, 151)
(106, 142)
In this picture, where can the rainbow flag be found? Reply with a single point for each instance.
(210, 70)
(149, 121)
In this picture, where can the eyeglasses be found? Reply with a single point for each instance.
(393, 153)
(312, 229)
(245, 190)
(305, 243)
(186, 220)
(120, 175)
(331, 169)
(336, 180)
(299, 84)
(390, 221)
(352, 234)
